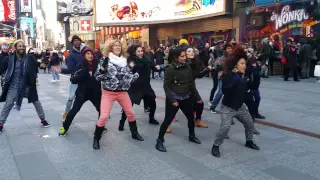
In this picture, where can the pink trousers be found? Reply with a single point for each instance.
(107, 100)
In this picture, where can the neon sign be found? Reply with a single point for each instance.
(288, 16)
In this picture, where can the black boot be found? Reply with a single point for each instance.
(97, 136)
(121, 124)
(134, 131)
(259, 116)
(192, 136)
(153, 121)
(252, 145)
(159, 146)
(215, 151)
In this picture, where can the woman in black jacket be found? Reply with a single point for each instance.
(89, 89)
(234, 87)
(291, 55)
(180, 91)
(141, 88)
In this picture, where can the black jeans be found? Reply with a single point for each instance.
(215, 84)
(252, 101)
(78, 102)
(294, 72)
(171, 111)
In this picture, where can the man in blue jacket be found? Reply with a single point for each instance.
(73, 60)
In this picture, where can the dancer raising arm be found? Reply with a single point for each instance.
(116, 78)
(88, 89)
(234, 87)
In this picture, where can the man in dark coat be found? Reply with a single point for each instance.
(20, 82)
(305, 58)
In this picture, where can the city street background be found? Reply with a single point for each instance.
(29, 152)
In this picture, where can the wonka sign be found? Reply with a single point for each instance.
(287, 16)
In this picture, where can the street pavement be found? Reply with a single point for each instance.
(29, 152)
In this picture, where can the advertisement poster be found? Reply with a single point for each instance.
(124, 12)
(74, 6)
(26, 6)
(27, 26)
(7, 11)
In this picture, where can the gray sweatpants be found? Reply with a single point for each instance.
(11, 99)
(227, 114)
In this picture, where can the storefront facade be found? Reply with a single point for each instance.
(170, 20)
(279, 22)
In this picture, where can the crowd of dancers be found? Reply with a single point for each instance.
(123, 75)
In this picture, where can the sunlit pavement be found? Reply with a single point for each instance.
(30, 152)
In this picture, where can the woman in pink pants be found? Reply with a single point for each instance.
(116, 78)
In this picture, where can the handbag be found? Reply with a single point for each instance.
(283, 60)
(317, 71)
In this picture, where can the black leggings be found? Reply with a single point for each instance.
(198, 109)
(78, 102)
(171, 111)
(150, 103)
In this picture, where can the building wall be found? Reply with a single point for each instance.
(163, 31)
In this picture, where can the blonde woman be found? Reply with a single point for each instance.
(116, 78)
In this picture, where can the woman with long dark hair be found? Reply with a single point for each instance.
(180, 91)
(89, 89)
(234, 86)
(141, 89)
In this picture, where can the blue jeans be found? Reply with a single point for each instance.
(161, 72)
(217, 98)
(55, 75)
(72, 95)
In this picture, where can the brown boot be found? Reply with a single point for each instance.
(64, 116)
(199, 123)
(169, 129)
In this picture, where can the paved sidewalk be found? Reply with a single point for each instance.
(29, 152)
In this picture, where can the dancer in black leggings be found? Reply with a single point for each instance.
(141, 89)
(89, 89)
(180, 91)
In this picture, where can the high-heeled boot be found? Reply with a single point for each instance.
(97, 136)
(134, 131)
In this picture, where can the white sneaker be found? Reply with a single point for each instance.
(53, 81)
(209, 104)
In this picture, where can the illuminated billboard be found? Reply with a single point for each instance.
(137, 12)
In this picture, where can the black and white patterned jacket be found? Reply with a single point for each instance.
(115, 78)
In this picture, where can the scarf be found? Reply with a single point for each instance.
(143, 60)
(118, 61)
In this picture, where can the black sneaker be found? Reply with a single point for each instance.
(252, 145)
(213, 110)
(259, 116)
(1, 128)
(194, 140)
(153, 121)
(215, 151)
(105, 129)
(45, 123)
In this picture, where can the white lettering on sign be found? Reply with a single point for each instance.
(12, 8)
(288, 16)
(85, 25)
